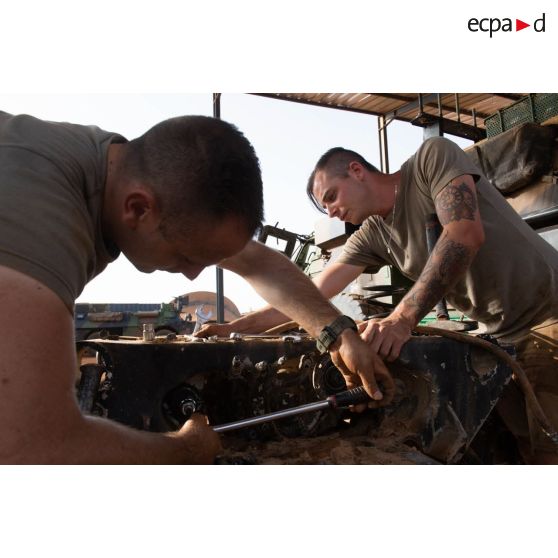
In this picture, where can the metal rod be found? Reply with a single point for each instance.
(457, 107)
(219, 287)
(308, 408)
(384, 156)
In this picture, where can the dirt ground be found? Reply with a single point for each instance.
(356, 445)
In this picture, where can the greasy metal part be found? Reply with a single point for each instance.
(181, 403)
(89, 386)
(442, 400)
(445, 392)
(326, 378)
(223, 372)
(490, 344)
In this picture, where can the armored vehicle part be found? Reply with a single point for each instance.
(445, 392)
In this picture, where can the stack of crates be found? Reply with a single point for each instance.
(536, 107)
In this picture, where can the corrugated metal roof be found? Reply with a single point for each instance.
(467, 108)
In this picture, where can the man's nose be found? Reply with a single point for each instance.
(332, 211)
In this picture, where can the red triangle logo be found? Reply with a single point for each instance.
(519, 25)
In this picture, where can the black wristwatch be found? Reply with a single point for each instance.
(330, 333)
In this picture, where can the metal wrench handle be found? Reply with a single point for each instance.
(309, 407)
(343, 399)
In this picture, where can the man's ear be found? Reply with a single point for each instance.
(140, 208)
(357, 170)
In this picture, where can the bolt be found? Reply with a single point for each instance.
(235, 336)
(292, 338)
(236, 361)
(188, 408)
(148, 332)
(304, 362)
(261, 366)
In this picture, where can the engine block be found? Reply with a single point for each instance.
(445, 389)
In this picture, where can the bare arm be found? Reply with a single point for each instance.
(40, 421)
(276, 279)
(461, 238)
(335, 277)
(270, 262)
(331, 281)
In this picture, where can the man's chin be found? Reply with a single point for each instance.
(144, 268)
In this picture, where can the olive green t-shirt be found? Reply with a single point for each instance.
(52, 178)
(511, 285)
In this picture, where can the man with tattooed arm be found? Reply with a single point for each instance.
(488, 263)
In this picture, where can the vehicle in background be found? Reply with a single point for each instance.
(93, 320)
(103, 319)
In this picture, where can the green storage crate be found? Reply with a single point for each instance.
(533, 108)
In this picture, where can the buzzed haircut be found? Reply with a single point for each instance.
(335, 163)
(200, 169)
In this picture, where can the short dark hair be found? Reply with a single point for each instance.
(201, 165)
(335, 163)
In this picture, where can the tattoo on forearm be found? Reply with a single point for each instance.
(456, 202)
(447, 263)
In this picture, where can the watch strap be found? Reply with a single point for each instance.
(331, 332)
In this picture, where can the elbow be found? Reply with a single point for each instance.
(472, 237)
(477, 240)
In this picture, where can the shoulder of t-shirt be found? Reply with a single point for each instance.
(434, 144)
(444, 151)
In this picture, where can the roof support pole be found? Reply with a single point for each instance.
(382, 132)
(220, 296)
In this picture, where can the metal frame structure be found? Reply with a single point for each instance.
(458, 114)
(219, 289)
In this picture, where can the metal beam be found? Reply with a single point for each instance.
(509, 96)
(219, 295)
(462, 130)
(410, 105)
(316, 104)
(431, 101)
(382, 132)
(440, 126)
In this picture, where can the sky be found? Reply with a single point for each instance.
(288, 138)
